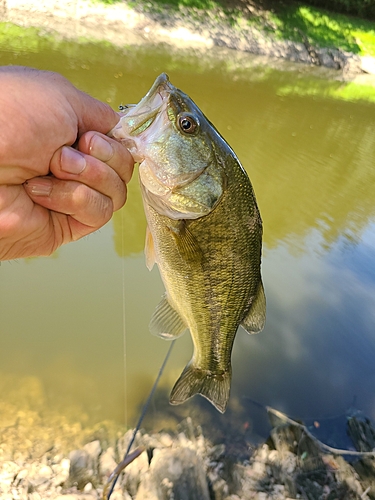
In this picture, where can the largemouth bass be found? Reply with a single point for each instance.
(204, 233)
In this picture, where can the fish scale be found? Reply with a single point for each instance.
(204, 233)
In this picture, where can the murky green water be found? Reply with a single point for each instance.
(75, 325)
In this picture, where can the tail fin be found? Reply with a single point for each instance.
(214, 387)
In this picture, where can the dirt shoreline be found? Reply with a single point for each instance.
(123, 26)
(185, 465)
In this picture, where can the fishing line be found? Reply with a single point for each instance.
(116, 473)
(124, 321)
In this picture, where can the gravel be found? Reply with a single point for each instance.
(187, 466)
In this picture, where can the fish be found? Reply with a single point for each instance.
(204, 233)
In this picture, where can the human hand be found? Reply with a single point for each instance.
(50, 192)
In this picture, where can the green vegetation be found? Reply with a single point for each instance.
(323, 28)
(361, 8)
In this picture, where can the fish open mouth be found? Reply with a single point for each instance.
(141, 116)
(137, 118)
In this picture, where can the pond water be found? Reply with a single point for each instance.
(74, 326)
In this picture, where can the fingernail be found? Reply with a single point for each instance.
(39, 187)
(72, 161)
(100, 148)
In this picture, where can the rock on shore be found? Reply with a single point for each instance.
(186, 466)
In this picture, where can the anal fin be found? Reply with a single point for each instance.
(166, 322)
(256, 317)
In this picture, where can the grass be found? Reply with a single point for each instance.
(324, 28)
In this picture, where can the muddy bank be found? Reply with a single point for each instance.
(185, 29)
(187, 466)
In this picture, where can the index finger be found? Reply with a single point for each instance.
(109, 151)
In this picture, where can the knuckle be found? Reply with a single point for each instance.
(121, 195)
(123, 163)
(121, 198)
(97, 208)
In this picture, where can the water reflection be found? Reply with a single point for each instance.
(317, 354)
(77, 323)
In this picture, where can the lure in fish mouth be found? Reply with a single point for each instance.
(204, 233)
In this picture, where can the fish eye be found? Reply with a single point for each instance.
(187, 124)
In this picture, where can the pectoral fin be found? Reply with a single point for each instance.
(256, 317)
(166, 322)
(149, 250)
(186, 243)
